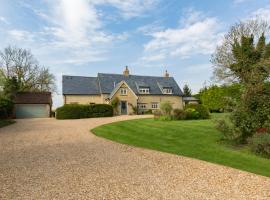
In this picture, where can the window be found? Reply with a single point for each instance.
(154, 105)
(73, 103)
(167, 90)
(142, 105)
(123, 91)
(92, 103)
(144, 90)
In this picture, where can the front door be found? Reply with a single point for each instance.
(123, 107)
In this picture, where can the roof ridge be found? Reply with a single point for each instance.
(137, 75)
(80, 76)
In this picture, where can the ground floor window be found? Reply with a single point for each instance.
(142, 105)
(154, 105)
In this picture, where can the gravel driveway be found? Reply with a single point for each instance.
(50, 159)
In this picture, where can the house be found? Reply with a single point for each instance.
(190, 100)
(33, 105)
(133, 91)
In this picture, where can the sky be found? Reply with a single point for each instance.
(84, 37)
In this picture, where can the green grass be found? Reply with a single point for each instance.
(192, 138)
(5, 122)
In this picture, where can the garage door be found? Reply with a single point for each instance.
(32, 110)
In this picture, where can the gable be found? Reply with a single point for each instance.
(119, 86)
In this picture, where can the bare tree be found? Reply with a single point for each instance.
(20, 63)
(222, 59)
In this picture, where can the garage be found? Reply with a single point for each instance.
(33, 105)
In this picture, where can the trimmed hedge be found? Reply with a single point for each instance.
(75, 111)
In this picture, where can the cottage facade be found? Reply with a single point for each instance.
(133, 91)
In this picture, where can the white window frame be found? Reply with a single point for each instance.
(123, 91)
(144, 90)
(154, 105)
(167, 90)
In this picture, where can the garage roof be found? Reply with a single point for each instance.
(33, 98)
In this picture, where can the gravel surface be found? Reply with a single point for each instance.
(50, 159)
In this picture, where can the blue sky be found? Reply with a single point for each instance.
(84, 37)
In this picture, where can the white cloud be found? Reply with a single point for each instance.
(129, 8)
(198, 35)
(263, 13)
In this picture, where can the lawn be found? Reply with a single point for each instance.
(5, 122)
(192, 138)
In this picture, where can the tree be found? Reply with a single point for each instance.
(21, 64)
(223, 57)
(11, 87)
(250, 64)
(187, 91)
(220, 98)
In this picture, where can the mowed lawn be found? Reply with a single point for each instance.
(192, 138)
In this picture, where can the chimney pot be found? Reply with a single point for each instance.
(126, 71)
(166, 74)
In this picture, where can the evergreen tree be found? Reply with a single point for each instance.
(187, 91)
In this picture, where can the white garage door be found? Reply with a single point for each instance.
(32, 110)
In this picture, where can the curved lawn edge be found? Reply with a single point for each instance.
(195, 139)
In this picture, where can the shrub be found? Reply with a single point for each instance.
(6, 108)
(115, 103)
(166, 107)
(75, 111)
(148, 112)
(229, 132)
(179, 114)
(191, 113)
(201, 109)
(260, 144)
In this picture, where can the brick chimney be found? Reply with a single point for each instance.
(126, 71)
(166, 74)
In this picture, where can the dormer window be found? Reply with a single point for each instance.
(144, 90)
(167, 90)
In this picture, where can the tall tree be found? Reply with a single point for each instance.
(223, 57)
(21, 64)
(187, 91)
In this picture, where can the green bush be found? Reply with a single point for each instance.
(201, 109)
(191, 113)
(229, 132)
(75, 111)
(260, 144)
(148, 112)
(179, 114)
(6, 108)
(166, 107)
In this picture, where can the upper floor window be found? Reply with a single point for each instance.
(144, 90)
(123, 91)
(167, 90)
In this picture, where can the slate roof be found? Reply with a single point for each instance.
(33, 98)
(80, 85)
(105, 83)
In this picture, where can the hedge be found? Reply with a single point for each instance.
(74, 111)
(202, 111)
(6, 108)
